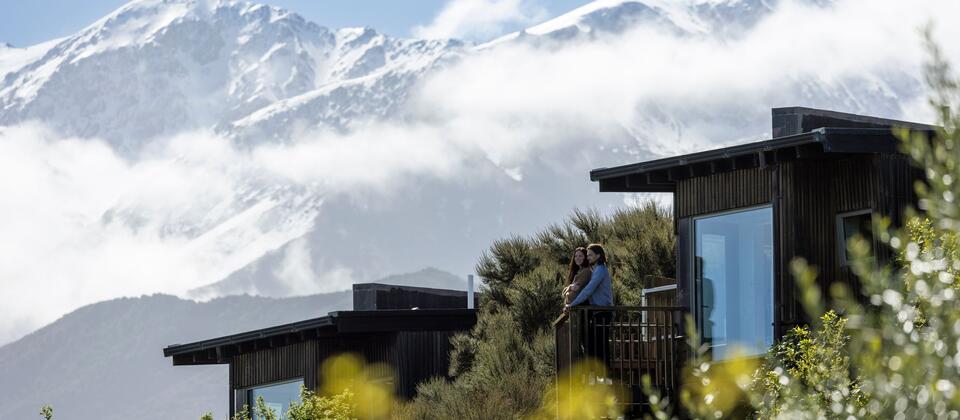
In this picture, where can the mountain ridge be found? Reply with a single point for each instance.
(96, 361)
(244, 56)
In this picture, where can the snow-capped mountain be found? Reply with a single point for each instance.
(157, 67)
(258, 73)
(471, 143)
(712, 18)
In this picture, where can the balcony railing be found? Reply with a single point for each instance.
(631, 342)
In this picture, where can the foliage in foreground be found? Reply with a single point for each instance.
(578, 395)
(808, 360)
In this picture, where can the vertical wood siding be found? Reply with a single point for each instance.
(723, 191)
(814, 193)
(421, 355)
(276, 364)
(414, 356)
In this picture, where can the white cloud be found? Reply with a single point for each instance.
(374, 156)
(681, 93)
(296, 269)
(479, 19)
(80, 224)
(298, 274)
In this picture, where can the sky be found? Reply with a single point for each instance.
(25, 23)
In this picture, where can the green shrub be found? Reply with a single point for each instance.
(808, 368)
(342, 406)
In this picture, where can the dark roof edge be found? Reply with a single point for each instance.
(331, 320)
(326, 321)
(740, 149)
(433, 290)
(824, 135)
(866, 119)
(401, 313)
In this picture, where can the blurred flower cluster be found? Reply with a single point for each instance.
(582, 392)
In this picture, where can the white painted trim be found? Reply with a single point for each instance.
(660, 288)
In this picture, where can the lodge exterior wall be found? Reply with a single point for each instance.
(806, 197)
(415, 356)
(723, 191)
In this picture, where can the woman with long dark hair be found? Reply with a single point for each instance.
(578, 276)
(599, 290)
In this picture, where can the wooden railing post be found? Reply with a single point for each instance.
(631, 341)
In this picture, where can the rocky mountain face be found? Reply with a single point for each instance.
(155, 68)
(717, 19)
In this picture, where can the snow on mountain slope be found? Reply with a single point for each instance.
(713, 18)
(155, 68)
(376, 85)
(13, 59)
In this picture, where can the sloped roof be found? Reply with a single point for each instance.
(854, 134)
(335, 324)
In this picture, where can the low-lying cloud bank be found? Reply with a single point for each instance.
(82, 224)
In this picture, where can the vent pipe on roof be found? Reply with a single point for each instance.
(469, 291)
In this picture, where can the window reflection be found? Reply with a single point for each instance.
(849, 226)
(734, 273)
(277, 397)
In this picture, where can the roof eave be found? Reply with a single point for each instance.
(219, 350)
(661, 175)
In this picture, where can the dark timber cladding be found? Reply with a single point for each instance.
(821, 165)
(814, 193)
(374, 296)
(723, 191)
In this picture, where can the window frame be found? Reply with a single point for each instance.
(841, 237)
(697, 296)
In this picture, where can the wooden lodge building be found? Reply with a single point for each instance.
(408, 328)
(742, 213)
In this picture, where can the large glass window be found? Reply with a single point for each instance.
(734, 275)
(277, 396)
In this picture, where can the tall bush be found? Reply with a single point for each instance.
(504, 367)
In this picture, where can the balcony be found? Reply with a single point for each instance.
(631, 342)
